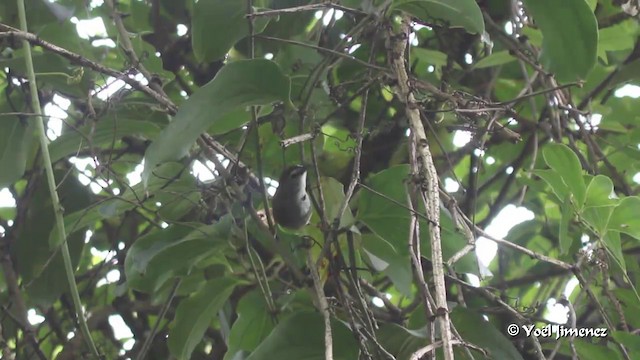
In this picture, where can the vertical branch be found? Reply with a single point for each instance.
(427, 176)
(414, 252)
(55, 200)
(323, 305)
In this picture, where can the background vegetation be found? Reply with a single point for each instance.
(426, 125)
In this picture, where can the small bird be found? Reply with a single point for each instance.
(291, 204)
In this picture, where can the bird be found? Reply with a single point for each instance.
(291, 203)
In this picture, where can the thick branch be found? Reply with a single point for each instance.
(427, 176)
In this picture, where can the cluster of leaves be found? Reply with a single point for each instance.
(197, 262)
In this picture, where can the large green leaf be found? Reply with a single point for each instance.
(39, 265)
(625, 217)
(598, 203)
(630, 341)
(238, 84)
(384, 258)
(458, 13)
(155, 258)
(301, 337)
(16, 138)
(570, 36)
(217, 25)
(400, 341)
(428, 56)
(564, 162)
(194, 315)
(616, 38)
(614, 244)
(390, 221)
(491, 339)
(254, 323)
(495, 59)
(599, 192)
(170, 179)
(334, 196)
(554, 180)
(104, 133)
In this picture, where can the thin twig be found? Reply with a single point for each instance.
(81, 60)
(303, 8)
(325, 50)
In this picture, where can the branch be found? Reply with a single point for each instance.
(10, 32)
(303, 8)
(323, 306)
(425, 169)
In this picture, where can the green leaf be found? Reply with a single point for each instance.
(458, 13)
(553, 179)
(588, 350)
(334, 196)
(195, 314)
(614, 244)
(592, 4)
(384, 258)
(599, 192)
(41, 267)
(598, 217)
(103, 134)
(570, 36)
(628, 72)
(301, 337)
(389, 221)
(563, 236)
(563, 161)
(157, 257)
(598, 204)
(630, 341)
(254, 323)
(182, 182)
(16, 138)
(495, 59)
(625, 217)
(616, 38)
(400, 341)
(428, 56)
(337, 144)
(238, 84)
(493, 340)
(217, 25)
